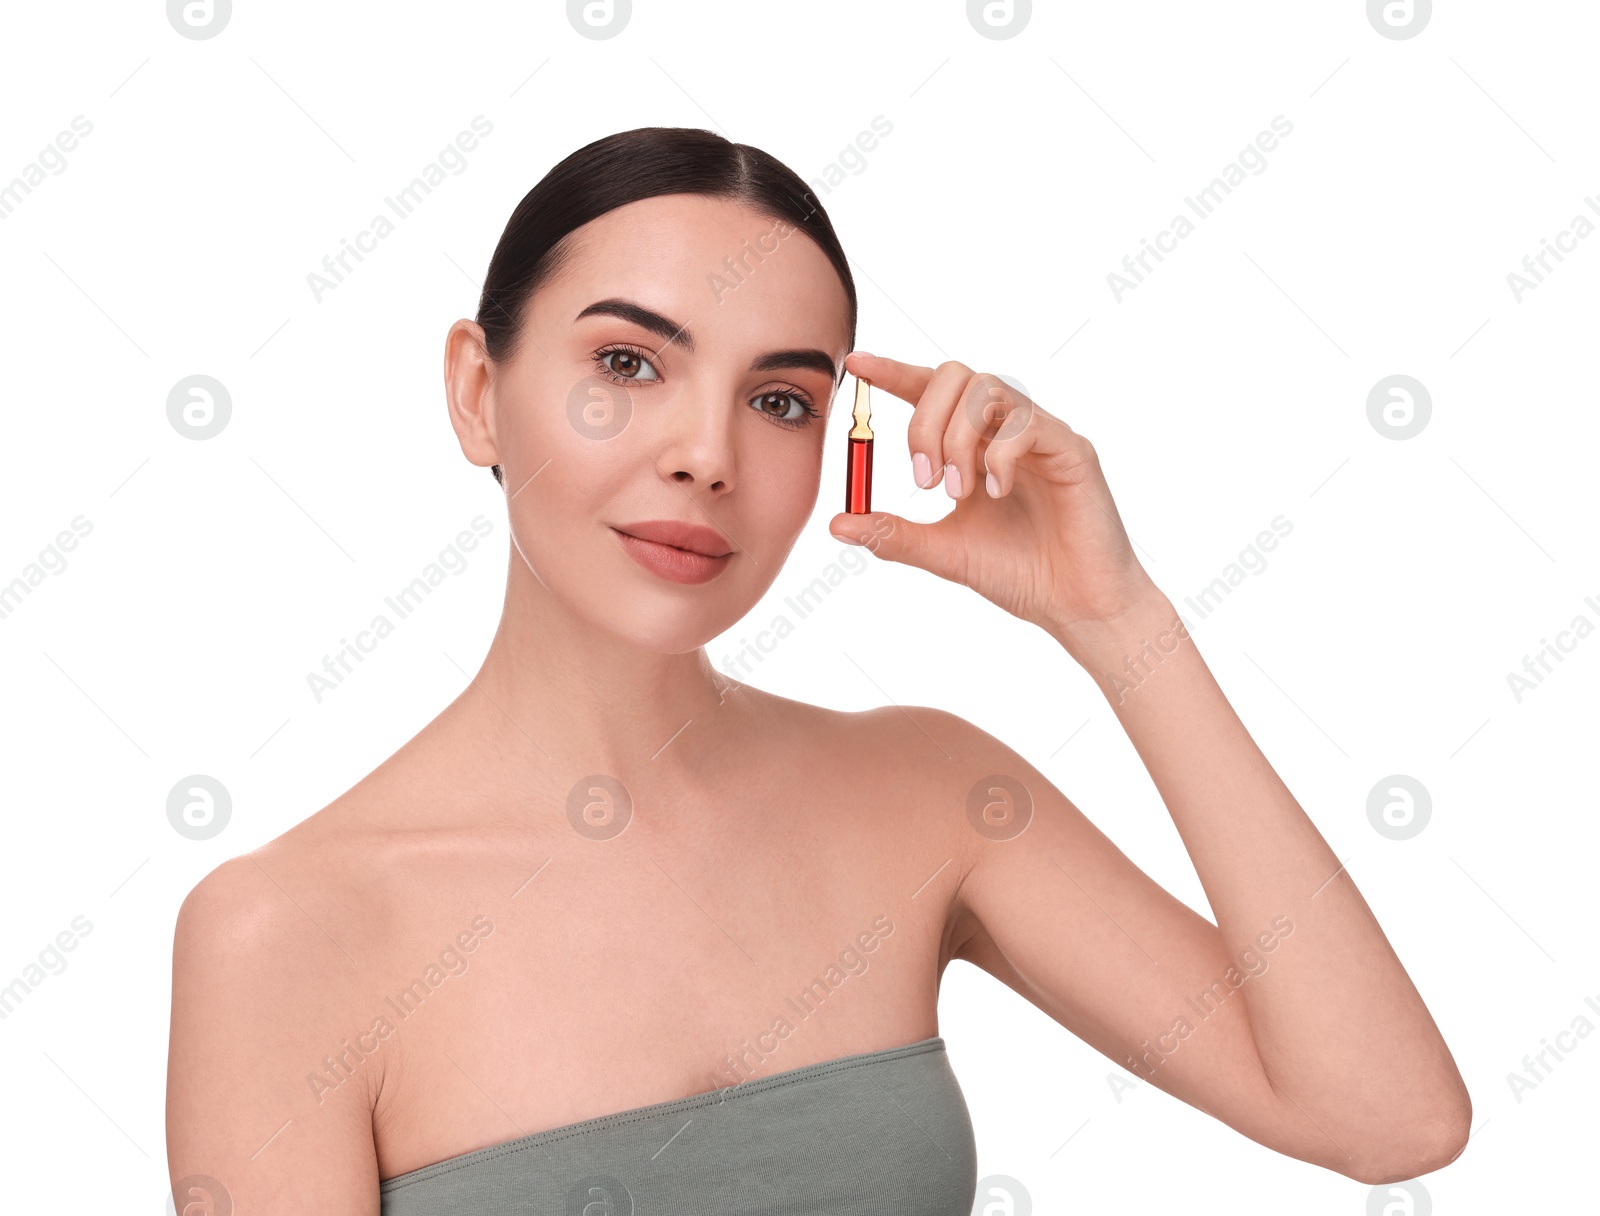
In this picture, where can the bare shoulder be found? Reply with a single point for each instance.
(916, 733)
(934, 756)
(233, 906)
(941, 732)
(964, 789)
(930, 775)
(243, 914)
(245, 951)
(300, 910)
(258, 908)
(264, 1093)
(258, 997)
(940, 754)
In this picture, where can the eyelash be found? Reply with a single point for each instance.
(793, 423)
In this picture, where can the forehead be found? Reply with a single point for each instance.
(723, 268)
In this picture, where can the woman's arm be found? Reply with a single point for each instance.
(1294, 1025)
(256, 990)
(1312, 1039)
(1339, 1029)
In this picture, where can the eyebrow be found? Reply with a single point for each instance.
(665, 327)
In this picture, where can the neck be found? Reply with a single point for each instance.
(575, 700)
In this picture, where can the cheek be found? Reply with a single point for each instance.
(555, 474)
(787, 482)
(522, 423)
(563, 431)
(575, 480)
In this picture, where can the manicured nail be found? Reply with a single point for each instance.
(921, 469)
(952, 481)
(992, 484)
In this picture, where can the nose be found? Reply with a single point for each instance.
(697, 445)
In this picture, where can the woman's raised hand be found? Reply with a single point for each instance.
(1034, 529)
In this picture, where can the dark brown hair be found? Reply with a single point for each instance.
(621, 169)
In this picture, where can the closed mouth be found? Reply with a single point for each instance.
(689, 538)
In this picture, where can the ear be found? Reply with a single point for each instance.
(469, 392)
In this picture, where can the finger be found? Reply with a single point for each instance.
(929, 431)
(934, 394)
(891, 538)
(1066, 455)
(903, 380)
(985, 403)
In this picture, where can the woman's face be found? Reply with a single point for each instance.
(677, 369)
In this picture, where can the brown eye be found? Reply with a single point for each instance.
(787, 409)
(626, 364)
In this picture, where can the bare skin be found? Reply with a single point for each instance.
(617, 972)
(579, 976)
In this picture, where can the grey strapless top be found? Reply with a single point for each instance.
(881, 1133)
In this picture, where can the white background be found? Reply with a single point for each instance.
(1230, 387)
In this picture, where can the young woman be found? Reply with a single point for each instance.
(614, 932)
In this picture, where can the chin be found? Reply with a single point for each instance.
(654, 614)
(669, 629)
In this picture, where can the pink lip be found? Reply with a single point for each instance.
(672, 563)
(680, 535)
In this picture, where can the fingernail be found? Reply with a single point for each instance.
(952, 481)
(992, 484)
(867, 353)
(921, 469)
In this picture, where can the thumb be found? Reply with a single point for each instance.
(894, 539)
